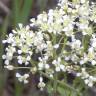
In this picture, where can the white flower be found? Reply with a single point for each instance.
(43, 63)
(81, 62)
(83, 74)
(91, 54)
(24, 59)
(74, 58)
(90, 81)
(41, 84)
(40, 65)
(93, 41)
(58, 65)
(56, 46)
(3, 56)
(50, 13)
(22, 78)
(19, 51)
(68, 19)
(83, 1)
(6, 62)
(28, 58)
(9, 54)
(27, 27)
(10, 39)
(93, 62)
(20, 25)
(84, 59)
(26, 63)
(47, 66)
(67, 58)
(20, 61)
(4, 41)
(76, 44)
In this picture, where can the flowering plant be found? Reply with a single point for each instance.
(63, 41)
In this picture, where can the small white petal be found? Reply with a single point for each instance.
(40, 65)
(78, 74)
(51, 75)
(6, 62)
(26, 63)
(30, 52)
(28, 58)
(4, 41)
(57, 69)
(14, 31)
(20, 61)
(86, 81)
(20, 25)
(47, 66)
(56, 46)
(62, 67)
(82, 1)
(82, 62)
(25, 81)
(41, 79)
(93, 62)
(19, 51)
(54, 62)
(90, 84)
(18, 75)
(27, 27)
(67, 58)
(26, 75)
(3, 56)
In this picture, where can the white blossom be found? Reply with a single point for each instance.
(90, 81)
(56, 46)
(22, 78)
(75, 53)
(58, 65)
(41, 84)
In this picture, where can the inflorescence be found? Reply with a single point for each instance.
(63, 40)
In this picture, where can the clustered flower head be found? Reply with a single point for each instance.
(63, 40)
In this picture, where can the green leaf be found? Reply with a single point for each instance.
(26, 10)
(49, 88)
(15, 13)
(66, 92)
(78, 83)
(21, 11)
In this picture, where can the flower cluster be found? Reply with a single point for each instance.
(62, 40)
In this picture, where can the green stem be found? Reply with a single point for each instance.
(63, 44)
(55, 85)
(22, 67)
(60, 83)
(92, 70)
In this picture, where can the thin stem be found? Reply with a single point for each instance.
(55, 85)
(60, 83)
(22, 67)
(92, 70)
(61, 39)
